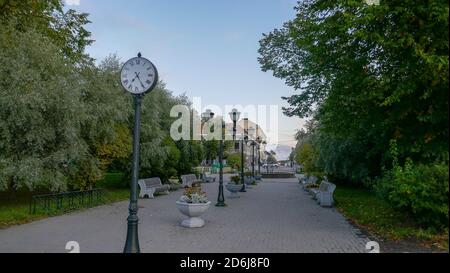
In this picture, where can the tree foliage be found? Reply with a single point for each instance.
(40, 110)
(66, 29)
(65, 121)
(367, 75)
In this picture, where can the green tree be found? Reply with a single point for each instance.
(66, 29)
(40, 110)
(234, 161)
(368, 74)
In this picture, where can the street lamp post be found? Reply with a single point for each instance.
(234, 115)
(243, 142)
(207, 115)
(264, 143)
(253, 144)
(221, 197)
(138, 83)
(259, 141)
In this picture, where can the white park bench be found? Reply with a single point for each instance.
(310, 180)
(300, 177)
(150, 186)
(258, 177)
(324, 194)
(207, 178)
(189, 179)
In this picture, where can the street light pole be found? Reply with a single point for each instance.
(253, 158)
(205, 117)
(242, 166)
(221, 197)
(244, 142)
(259, 158)
(235, 114)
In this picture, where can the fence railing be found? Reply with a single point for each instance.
(66, 201)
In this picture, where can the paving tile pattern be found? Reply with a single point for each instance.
(276, 216)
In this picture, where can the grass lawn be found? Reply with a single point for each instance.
(15, 211)
(375, 215)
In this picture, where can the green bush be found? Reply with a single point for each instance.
(420, 189)
(236, 179)
(306, 155)
(234, 161)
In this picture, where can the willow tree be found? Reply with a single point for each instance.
(64, 27)
(40, 110)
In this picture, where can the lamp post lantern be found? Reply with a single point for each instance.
(234, 115)
(138, 76)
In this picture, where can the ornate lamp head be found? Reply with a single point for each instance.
(235, 115)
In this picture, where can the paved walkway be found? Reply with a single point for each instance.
(275, 216)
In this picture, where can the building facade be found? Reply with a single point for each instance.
(253, 131)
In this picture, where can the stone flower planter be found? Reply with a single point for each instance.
(249, 181)
(233, 189)
(193, 211)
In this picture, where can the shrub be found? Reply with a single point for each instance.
(234, 161)
(307, 156)
(236, 179)
(419, 189)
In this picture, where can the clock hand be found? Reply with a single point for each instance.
(137, 75)
(141, 83)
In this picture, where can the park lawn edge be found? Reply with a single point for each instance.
(368, 212)
(19, 213)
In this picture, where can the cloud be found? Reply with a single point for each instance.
(73, 2)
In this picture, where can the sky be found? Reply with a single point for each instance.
(203, 48)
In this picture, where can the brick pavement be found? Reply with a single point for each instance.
(275, 216)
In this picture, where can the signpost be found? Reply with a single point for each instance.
(138, 76)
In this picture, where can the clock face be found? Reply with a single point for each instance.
(139, 76)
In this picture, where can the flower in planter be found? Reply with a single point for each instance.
(236, 180)
(194, 195)
(174, 180)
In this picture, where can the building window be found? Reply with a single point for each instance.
(236, 146)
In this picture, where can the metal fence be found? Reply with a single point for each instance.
(67, 201)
